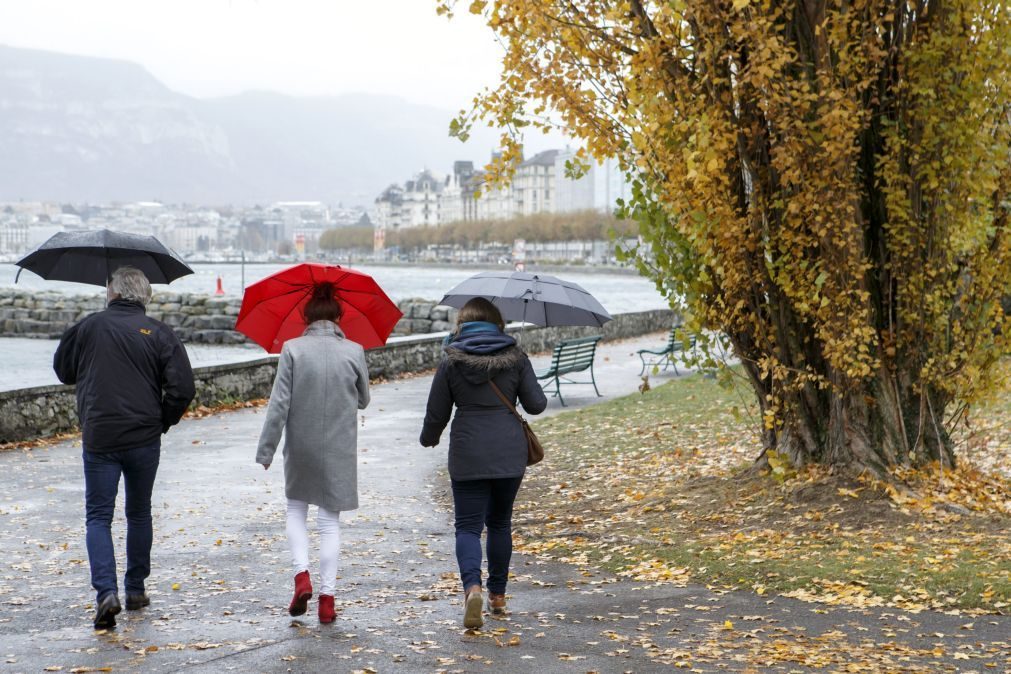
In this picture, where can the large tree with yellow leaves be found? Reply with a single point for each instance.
(822, 182)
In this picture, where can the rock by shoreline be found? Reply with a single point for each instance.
(199, 319)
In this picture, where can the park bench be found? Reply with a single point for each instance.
(666, 354)
(571, 355)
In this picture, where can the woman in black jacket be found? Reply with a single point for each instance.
(487, 446)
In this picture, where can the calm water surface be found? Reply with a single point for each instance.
(618, 293)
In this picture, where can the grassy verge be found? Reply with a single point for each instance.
(653, 487)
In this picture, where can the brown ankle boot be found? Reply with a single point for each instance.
(496, 603)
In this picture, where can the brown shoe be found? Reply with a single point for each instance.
(496, 603)
(472, 605)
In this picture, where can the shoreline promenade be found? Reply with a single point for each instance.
(221, 578)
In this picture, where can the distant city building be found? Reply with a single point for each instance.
(13, 235)
(539, 185)
(427, 199)
(534, 184)
(195, 232)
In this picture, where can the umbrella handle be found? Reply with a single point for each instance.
(18, 275)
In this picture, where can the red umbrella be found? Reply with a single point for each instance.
(271, 312)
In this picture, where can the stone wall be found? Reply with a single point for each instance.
(200, 319)
(47, 410)
(195, 318)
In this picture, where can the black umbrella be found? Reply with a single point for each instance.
(92, 256)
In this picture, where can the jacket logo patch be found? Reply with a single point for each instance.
(145, 331)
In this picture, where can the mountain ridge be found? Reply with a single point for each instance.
(92, 129)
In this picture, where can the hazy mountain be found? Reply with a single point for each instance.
(76, 128)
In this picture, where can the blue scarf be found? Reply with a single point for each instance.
(479, 337)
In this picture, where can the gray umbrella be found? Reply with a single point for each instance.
(533, 298)
(91, 257)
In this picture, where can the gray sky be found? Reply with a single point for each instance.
(216, 47)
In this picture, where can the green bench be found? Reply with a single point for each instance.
(571, 355)
(665, 355)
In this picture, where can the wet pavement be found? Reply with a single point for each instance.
(221, 577)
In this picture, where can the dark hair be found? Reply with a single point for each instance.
(323, 305)
(480, 309)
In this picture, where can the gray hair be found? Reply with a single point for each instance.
(129, 283)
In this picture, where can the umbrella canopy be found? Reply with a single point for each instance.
(92, 256)
(271, 311)
(533, 298)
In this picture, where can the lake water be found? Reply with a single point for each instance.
(619, 293)
(28, 362)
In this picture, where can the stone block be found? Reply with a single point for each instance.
(420, 326)
(216, 305)
(441, 326)
(206, 337)
(222, 322)
(233, 337)
(64, 316)
(439, 313)
(422, 310)
(26, 326)
(212, 322)
(170, 306)
(174, 319)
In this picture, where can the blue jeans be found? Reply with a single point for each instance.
(479, 504)
(101, 484)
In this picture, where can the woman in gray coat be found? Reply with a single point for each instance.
(322, 381)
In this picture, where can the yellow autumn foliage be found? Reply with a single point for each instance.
(822, 183)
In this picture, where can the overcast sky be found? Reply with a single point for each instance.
(216, 47)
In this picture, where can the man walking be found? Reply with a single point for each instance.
(133, 382)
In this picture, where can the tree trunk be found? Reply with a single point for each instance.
(864, 431)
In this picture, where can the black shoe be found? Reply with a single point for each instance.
(105, 613)
(137, 601)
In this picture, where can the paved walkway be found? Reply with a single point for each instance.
(220, 584)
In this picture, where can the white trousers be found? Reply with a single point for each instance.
(328, 525)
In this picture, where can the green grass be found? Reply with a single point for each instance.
(657, 477)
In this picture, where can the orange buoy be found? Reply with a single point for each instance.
(220, 290)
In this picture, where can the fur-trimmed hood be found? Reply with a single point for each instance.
(479, 368)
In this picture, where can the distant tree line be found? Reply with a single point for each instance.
(580, 225)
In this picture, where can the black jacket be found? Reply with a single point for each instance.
(133, 377)
(486, 440)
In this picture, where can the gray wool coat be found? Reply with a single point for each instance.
(322, 381)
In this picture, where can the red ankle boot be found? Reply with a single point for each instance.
(327, 614)
(303, 592)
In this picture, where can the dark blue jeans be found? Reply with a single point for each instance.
(101, 484)
(479, 504)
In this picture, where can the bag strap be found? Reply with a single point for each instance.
(498, 392)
